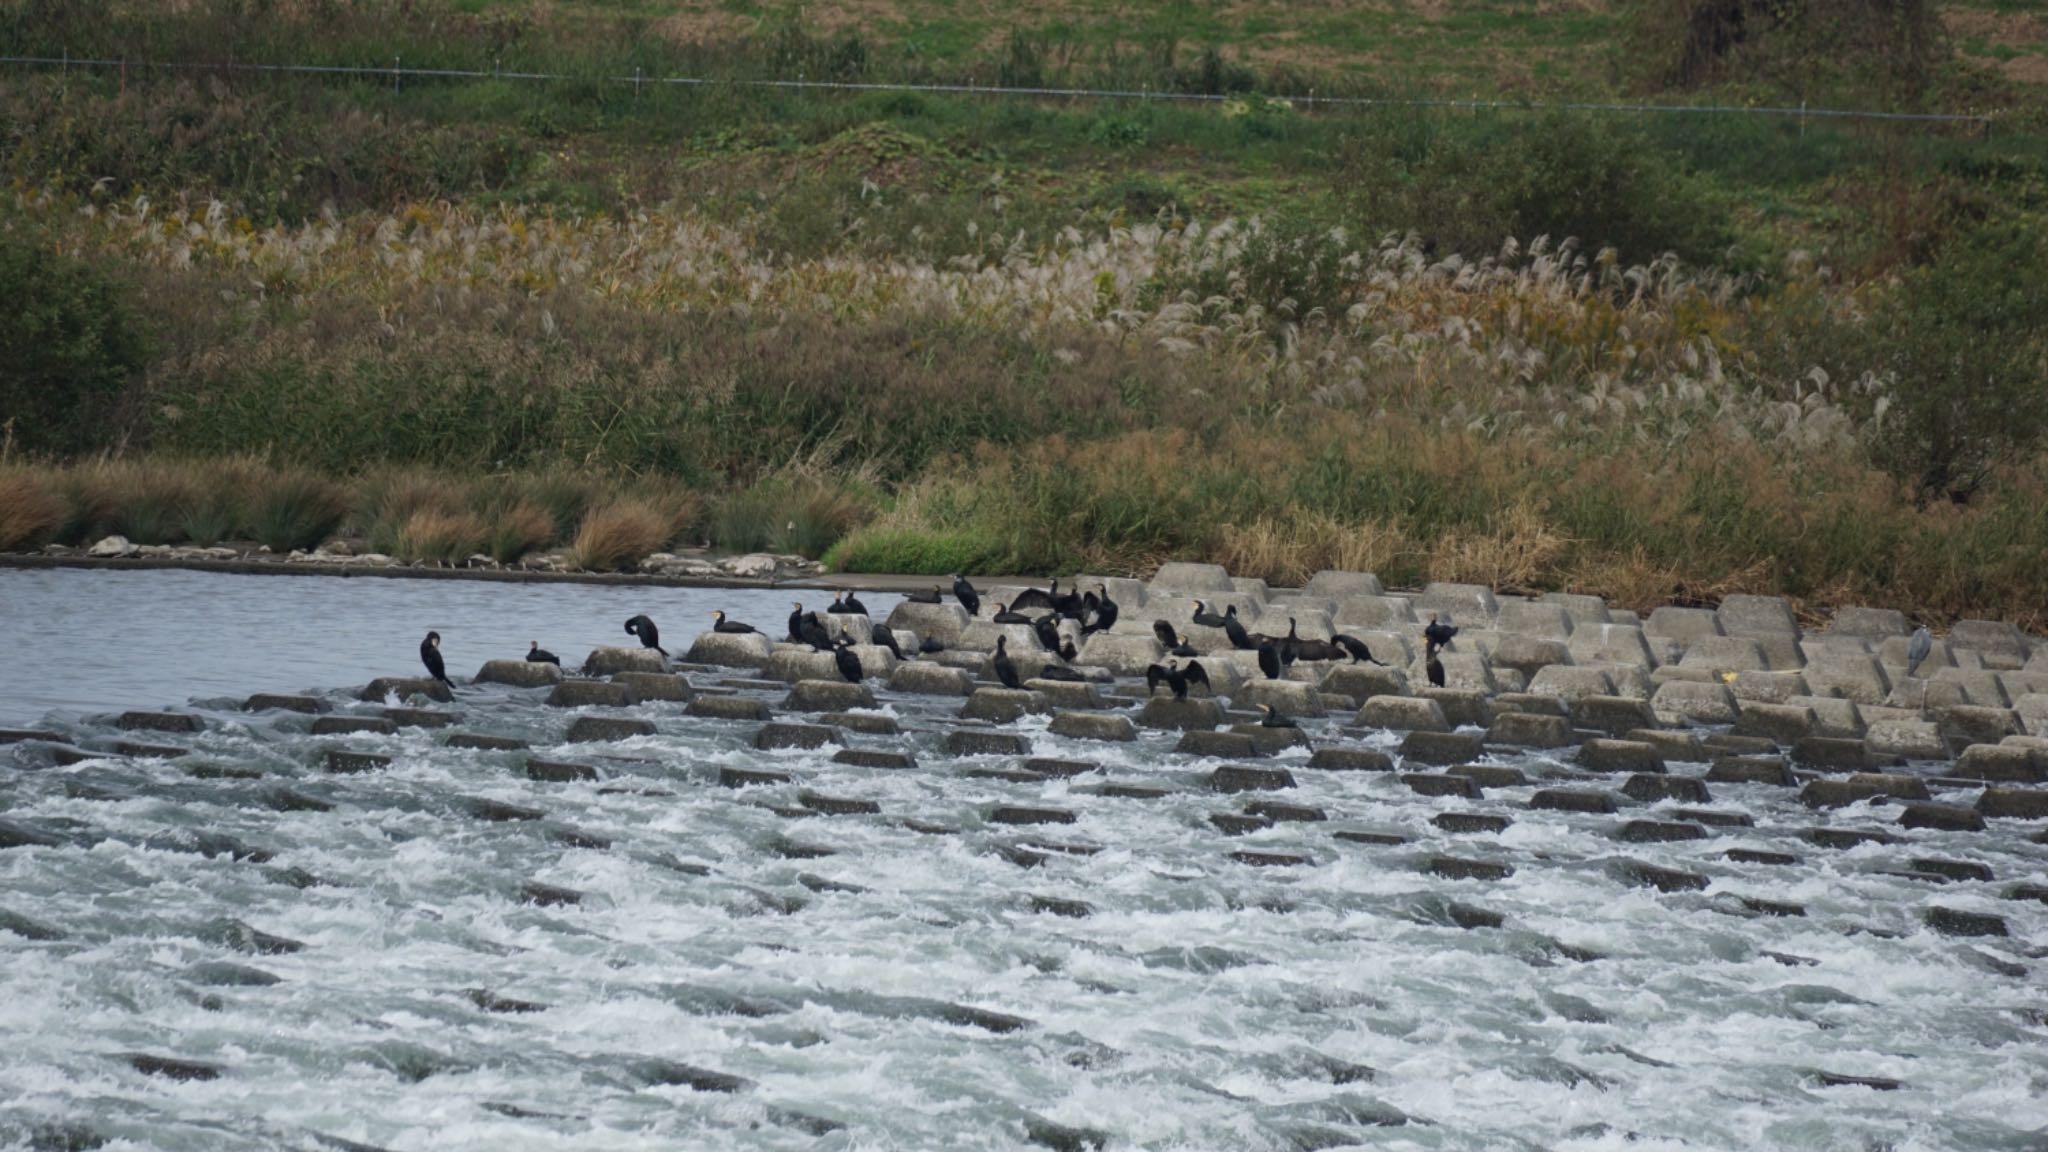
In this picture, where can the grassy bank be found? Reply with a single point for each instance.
(1649, 358)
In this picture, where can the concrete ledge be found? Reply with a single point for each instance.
(970, 743)
(1490, 775)
(942, 622)
(587, 729)
(1166, 712)
(926, 679)
(405, 688)
(1093, 726)
(1460, 706)
(349, 725)
(612, 660)
(2014, 803)
(1350, 760)
(645, 686)
(1530, 730)
(1700, 703)
(1456, 868)
(873, 758)
(1942, 817)
(1613, 715)
(1002, 705)
(1222, 745)
(1404, 714)
(1439, 784)
(791, 664)
(1573, 800)
(1780, 722)
(261, 702)
(1442, 747)
(782, 735)
(1602, 755)
(1066, 693)
(1751, 770)
(1651, 788)
(1287, 697)
(728, 708)
(1123, 655)
(827, 696)
(591, 694)
(2003, 763)
(519, 673)
(731, 649)
(1238, 778)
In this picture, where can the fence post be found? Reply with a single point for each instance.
(394, 74)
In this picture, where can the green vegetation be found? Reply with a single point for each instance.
(1641, 355)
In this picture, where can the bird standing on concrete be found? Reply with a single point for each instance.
(1269, 660)
(1105, 614)
(1439, 633)
(931, 597)
(1206, 616)
(1435, 670)
(1917, 648)
(849, 664)
(964, 592)
(1006, 672)
(1234, 628)
(650, 636)
(731, 627)
(1274, 719)
(430, 655)
(538, 655)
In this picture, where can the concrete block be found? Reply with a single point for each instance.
(1751, 770)
(1540, 703)
(588, 729)
(1066, 693)
(1529, 654)
(1603, 755)
(1287, 697)
(790, 664)
(1652, 788)
(1628, 680)
(1464, 603)
(1613, 715)
(1980, 688)
(405, 688)
(1745, 615)
(2004, 763)
(1941, 817)
(1166, 712)
(1440, 784)
(1611, 644)
(1700, 703)
(1851, 676)
(1461, 670)
(1725, 654)
(1238, 778)
(1535, 618)
(1530, 730)
(1362, 682)
(519, 673)
(1767, 687)
(1891, 652)
(1374, 613)
(591, 694)
(969, 742)
(781, 735)
(1684, 625)
(1832, 717)
(1350, 760)
(1584, 609)
(1895, 784)
(1403, 714)
(827, 696)
(2032, 711)
(608, 660)
(1831, 754)
(2014, 803)
(1683, 747)
(943, 622)
(922, 678)
(1190, 579)
(1003, 705)
(980, 635)
(1127, 655)
(1999, 645)
(1912, 739)
(1780, 722)
(1336, 584)
(647, 686)
(727, 708)
(1221, 745)
(1570, 683)
(731, 650)
(1268, 741)
(1974, 725)
(1444, 748)
(1460, 706)
(1870, 623)
(1093, 726)
(1573, 800)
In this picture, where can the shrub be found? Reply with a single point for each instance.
(67, 348)
(439, 537)
(149, 500)
(518, 528)
(31, 511)
(1963, 344)
(878, 549)
(296, 510)
(222, 490)
(387, 499)
(616, 535)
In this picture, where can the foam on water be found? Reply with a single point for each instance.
(1200, 1003)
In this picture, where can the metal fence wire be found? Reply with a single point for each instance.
(398, 74)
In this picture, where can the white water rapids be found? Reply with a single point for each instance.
(358, 961)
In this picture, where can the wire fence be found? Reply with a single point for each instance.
(398, 75)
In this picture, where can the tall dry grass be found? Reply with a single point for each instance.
(32, 508)
(616, 535)
(430, 535)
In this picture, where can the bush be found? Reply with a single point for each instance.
(68, 346)
(296, 510)
(439, 537)
(518, 528)
(617, 535)
(31, 510)
(1963, 344)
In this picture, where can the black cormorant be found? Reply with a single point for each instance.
(1007, 615)
(1435, 669)
(931, 597)
(1055, 672)
(1234, 628)
(849, 664)
(650, 636)
(1047, 629)
(811, 631)
(931, 644)
(844, 603)
(1037, 598)
(796, 622)
(1274, 719)
(1175, 646)
(430, 655)
(1356, 647)
(1175, 678)
(539, 655)
(732, 627)
(1105, 614)
(1439, 634)
(886, 637)
(1269, 660)
(964, 592)
(1206, 616)
(1006, 672)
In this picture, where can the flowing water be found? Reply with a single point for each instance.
(388, 958)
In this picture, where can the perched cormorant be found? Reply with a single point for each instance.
(1066, 605)
(650, 636)
(1439, 634)
(1007, 615)
(931, 597)
(811, 631)
(844, 603)
(1175, 646)
(1234, 628)
(1206, 616)
(886, 637)
(1435, 669)
(931, 644)
(1037, 598)
(1067, 651)
(1290, 644)
(1080, 610)
(849, 664)
(1175, 678)
(964, 592)
(1356, 647)
(1316, 650)
(1006, 672)
(733, 627)
(430, 655)
(1917, 648)
(1105, 614)
(1047, 629)
(796, 622)
(1273, 719)
(1269, 660)
(539, 655)
(1055, 672)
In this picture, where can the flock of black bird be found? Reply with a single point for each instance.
(1093, 611)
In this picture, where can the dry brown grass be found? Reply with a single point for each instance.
(616, 535)
(1288, 551)
(387, 500)
(1519, 553)
(31, 511)
(518, 528)
(434, 536)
